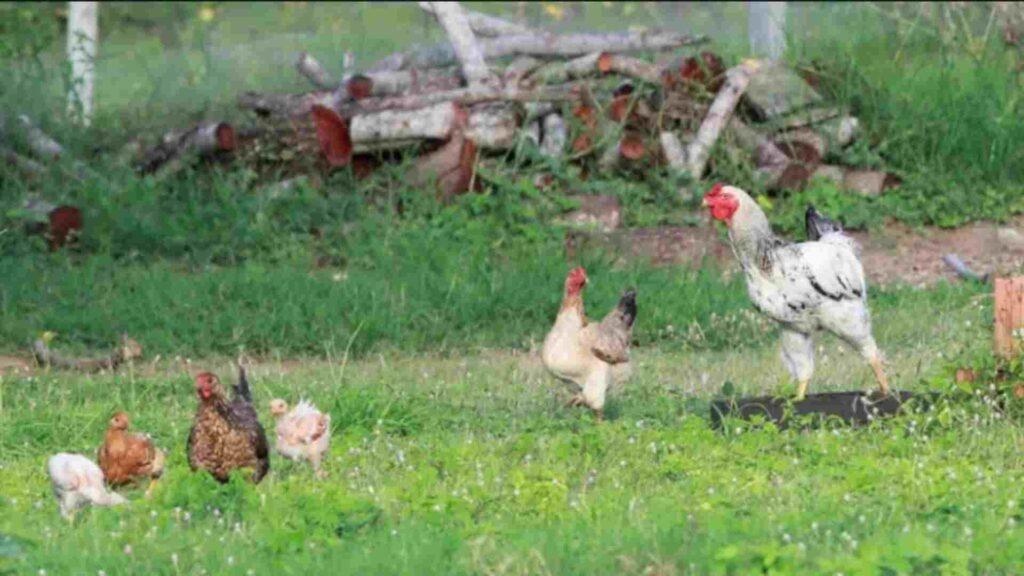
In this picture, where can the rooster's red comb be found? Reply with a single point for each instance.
(716, 189)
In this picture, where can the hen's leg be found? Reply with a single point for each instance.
(853, 324)
(596, 387)
(798, 356)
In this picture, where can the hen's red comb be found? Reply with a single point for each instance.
(716, 189)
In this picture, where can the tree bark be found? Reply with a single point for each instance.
(540, 45)
(175, 147)
(554, 137)
(718, 115)
(464, 44)
(486, 25)
(766, 27)
(312, 70)
(83, 33)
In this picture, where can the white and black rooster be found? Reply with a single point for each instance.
(806, 286)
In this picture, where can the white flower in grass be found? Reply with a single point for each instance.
(128, 549)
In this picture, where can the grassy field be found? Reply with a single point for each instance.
(418, 328)
(468, 463)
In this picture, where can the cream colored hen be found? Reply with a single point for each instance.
(304, 433)
(78, 482)
(586, 354)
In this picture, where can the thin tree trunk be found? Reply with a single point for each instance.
(83, 33)
(766, 28)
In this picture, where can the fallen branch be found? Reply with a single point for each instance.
(718, 115)
(629, 66)
(484, 24)
(313, 71)
(961, 269)
(203, 139)
(378, 84)
(540, 45)
(492, 126)
(27, 166)
(38, 141)
(673, 151)
(299, 105)
(464, 44)
(554, 136)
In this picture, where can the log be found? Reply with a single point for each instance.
(803, 145)
(777, 170)
(27, 166)
(540, 45)
(297, 106)
(519, 68)
(288, 105)
(313, 71)
(493, 126)
(486, 25)
(854, 408)
(957, 265)
(863, 182)
(402, 82)
(840, 132)
(673, 151)
(595, 64)
(451, 167)
(432, 122)
(555, 135)
(1009, 316)
(467, 50)
(629, 66)
(203, 139)
(737, 79)
(562, 71)
(38, 141)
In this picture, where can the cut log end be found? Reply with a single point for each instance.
(632, 148)
(332, 132)
(359, 87)
(225, 135)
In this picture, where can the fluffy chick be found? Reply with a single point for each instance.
(78, 482)
(304, 433)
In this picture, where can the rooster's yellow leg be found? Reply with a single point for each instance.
(149, 490)
(599, 415)
(883, 381)
(801, 389)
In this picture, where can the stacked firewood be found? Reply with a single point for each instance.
(496, 85)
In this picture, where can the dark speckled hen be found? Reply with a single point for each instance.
(227, 435)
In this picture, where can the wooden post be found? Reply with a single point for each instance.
(1009, 313)
(83, 32)
(766, 29)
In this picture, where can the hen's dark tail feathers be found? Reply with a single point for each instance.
(627, 305)
(242, 388)
(818, 225)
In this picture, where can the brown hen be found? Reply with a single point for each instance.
(227, 435)
(125, 457)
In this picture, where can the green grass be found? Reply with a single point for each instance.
(469, 464)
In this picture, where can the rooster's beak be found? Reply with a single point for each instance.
(704, 203)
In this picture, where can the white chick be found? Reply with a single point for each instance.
(77, 482)
(304, 433)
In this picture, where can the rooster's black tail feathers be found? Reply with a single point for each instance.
(818, 225)
(242, 388)
(627, 305)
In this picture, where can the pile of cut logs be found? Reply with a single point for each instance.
(496, 85)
